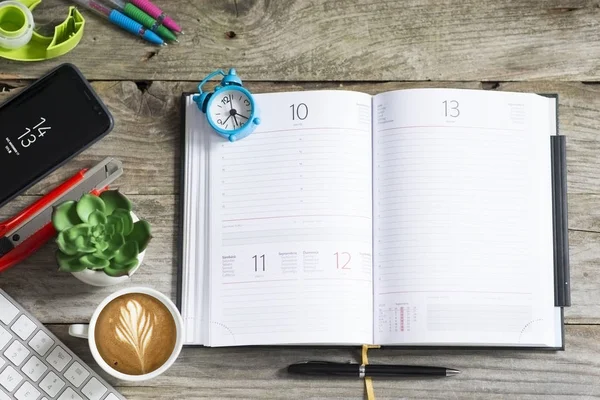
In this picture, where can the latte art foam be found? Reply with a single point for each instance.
(135, 334)
(135, 328)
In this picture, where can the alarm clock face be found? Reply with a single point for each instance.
(230, 110)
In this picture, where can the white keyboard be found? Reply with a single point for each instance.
(34, 364)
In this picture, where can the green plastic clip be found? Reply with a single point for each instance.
(14, 22)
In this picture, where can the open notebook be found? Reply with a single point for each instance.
(424, 217)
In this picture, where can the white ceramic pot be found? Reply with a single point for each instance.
(100, 279)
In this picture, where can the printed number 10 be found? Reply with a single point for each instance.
(300, 111)
(255, 258)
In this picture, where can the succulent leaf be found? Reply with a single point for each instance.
(128, 252)
(113, 199)
(109, 230)
(91, 261)
(114, 244)
(101, 245)
(66, 246)
(74, 232)
(128, 266)
(83, 245)
(65, 216)
(88, 204)
(69, 263)
(103, 255)
(126, 219)
(115, 223)
(141, 233)
(97, 218)
(110, 271)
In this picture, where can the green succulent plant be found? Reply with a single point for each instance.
(98, 233)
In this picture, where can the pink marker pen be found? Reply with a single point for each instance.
(157, 13)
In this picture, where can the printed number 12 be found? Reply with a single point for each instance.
(340, 264)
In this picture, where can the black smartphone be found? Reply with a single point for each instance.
(47, 124)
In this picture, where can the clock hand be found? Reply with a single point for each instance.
(235, 119)
(240, 115)
(225, 122)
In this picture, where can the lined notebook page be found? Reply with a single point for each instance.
(291, 224)
(463, 224)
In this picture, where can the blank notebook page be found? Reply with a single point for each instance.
(463, 250)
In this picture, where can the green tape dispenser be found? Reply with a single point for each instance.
(20, 42)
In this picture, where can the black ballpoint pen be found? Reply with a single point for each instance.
(328, 368)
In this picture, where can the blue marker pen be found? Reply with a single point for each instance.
(120, 19)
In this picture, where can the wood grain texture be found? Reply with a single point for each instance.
(259, 372)
(318, 40)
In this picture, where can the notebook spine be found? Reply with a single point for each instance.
(562, 284)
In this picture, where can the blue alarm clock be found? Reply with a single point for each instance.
(230, 109)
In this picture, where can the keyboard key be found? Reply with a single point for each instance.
(52, 384)
(34, 368)
(16, 353)
(4, 396)
(9, 378)
(111, 397)
(5, 337)
(2, 362)
(69, 394)
(76, 374)
(94, 390)
(8, 311)
(24, 327)
(27, 392)
(41, 343)
(59, 358)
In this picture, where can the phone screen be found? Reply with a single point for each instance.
(51, 121)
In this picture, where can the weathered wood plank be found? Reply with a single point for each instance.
(146, 134)
(59, 298)
(318, 40)
(259, 372)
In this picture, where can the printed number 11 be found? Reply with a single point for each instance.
(255, 258)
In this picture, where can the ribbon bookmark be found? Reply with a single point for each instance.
(365, 361)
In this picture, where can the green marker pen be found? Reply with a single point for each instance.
(147, 21)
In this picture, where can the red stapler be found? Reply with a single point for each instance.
(22, 235)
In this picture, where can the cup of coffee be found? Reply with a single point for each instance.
(135, 334)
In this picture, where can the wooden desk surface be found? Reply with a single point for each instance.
(370, 45)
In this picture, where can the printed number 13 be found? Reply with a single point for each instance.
(451, 108)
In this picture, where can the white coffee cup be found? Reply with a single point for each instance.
(87, 332)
